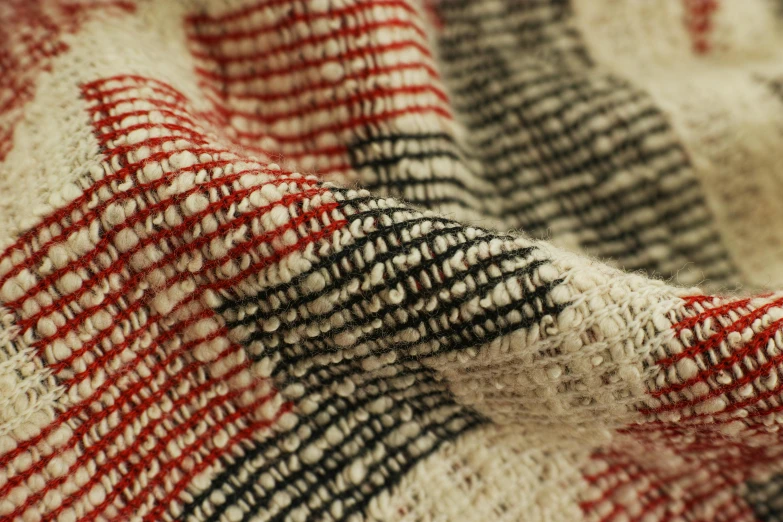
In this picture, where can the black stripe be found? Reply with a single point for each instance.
(613, 211)
(342, 407)
(410, 461)
(392, 477)
(396, 187)
(560, 155)
(463, 336)
(339, 258)
(411, 297)
(766, 498)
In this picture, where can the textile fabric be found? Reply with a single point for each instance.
(455, 260)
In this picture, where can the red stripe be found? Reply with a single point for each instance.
(277, 255)
(197, 33)
(115, 299)
(722, 484)
(217, 286)
(38, 40)
(239, 14)
(156, 103)
(630, 478)
(144, 113)
(281, 153)
(180, 277)
(128, 394)
(141, 216)
(242, 248)
(661, 479)
(706, 419)
(350, 124)
(360, 30)
(193, 449)
(711, 450)
(175, 232)
(127, 314)
(755, 400)
(142, 81)
(109, 121)
(65, 212)
(75, 224)
(122, 150)
(183, 248)
(362, 98)
(98, 95)
(105, 441)
(94, 418)
(89, 217)
(76, 410)
(199, 412)
(181, 484)
(372, 71)
(700, 299)
(192, 135)
(714, 340)
(698, 21)
(610, 470)
(290, 69)
(690, 322)
(86, 5)
(751, 349)
(63, 417)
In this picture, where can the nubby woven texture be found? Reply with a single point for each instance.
(445, 260)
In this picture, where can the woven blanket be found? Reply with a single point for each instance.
(391, 260)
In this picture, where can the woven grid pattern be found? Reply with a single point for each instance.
(390, 260)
